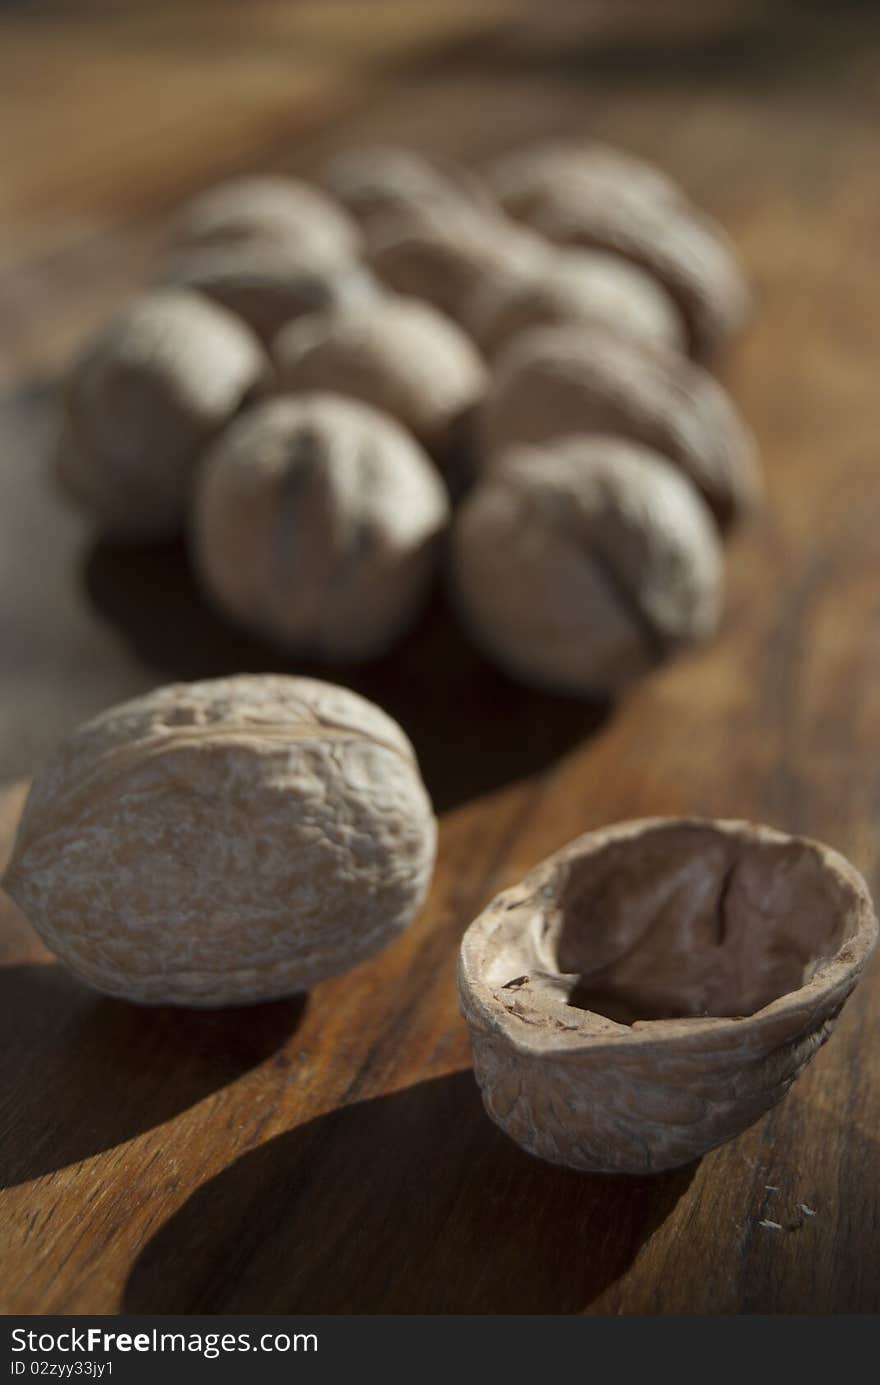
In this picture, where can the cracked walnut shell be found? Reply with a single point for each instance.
(652, 989)
(225, 842)
(581, 565)
(315, 526)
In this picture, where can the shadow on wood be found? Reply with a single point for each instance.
(80, 1073)
(473, 729)
(406, 1203)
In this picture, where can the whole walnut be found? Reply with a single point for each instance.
(606, 205)
(144, 401)
(653, 988)
(269, 208)
(316, 523)
(580, 565)
(554, 381)
(225, 842)
(399, 354)
(267, 283)
(576, 287)
(521, 178)
(375, 182)
(443, 255)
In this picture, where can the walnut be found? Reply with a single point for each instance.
(269, 208)
(652, 989)
(441, 255)
(610, 202)
(144, 401)
(315, 526)
(577, 287)
(581, 565)
(374, 183)
(398, 354)
(521, 178)
(559, 380)
(225, 842)
(267, 283)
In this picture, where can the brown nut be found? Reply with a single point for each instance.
(581, 565)
(600, 204)
(442, 256)
(652, 989)
(144, 401)
(382, 181)
(273, 209)
(398, 354)
(266, 283)
(560, 380)
(572, 287)
(316, 525)
(225, 842)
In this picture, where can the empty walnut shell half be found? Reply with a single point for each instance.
(225, 842)
(555, 381)
(652, 989)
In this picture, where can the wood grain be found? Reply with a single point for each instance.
(330, 1153)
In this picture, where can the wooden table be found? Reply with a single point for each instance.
(330, 1153)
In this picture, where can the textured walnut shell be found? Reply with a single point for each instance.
(578, 288)
(144, 401)
(555, 381)
(225, 842)
(626, 207)
(581, 565)
(441, 256)
(522, 178)
(316, 524)
(273, 209)
(398, 354)
(375, 183)
(267, 283)
(652, 989)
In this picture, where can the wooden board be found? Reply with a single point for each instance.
(331, 1153)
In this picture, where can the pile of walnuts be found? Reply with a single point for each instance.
(328, 390)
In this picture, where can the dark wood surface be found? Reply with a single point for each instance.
(330, 1153)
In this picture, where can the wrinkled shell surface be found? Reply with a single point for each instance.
(442, 256)
(573, 287)
(580, 566)
(652, 989)
(558, 380)
(387, 181)
(398, 354)
(142, 404)
(316, 524)
(268, 284)
(623, 206)
(275, 209)
(225, 842)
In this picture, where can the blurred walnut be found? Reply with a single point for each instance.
(269, 208)
(225, 842)
(572, 287)
(267, 283)
(398, 354)
(142, 403)
(602, 199)
(316, 525)
(555, 381)
(377, 182)
(580, 565)
(652, 989)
